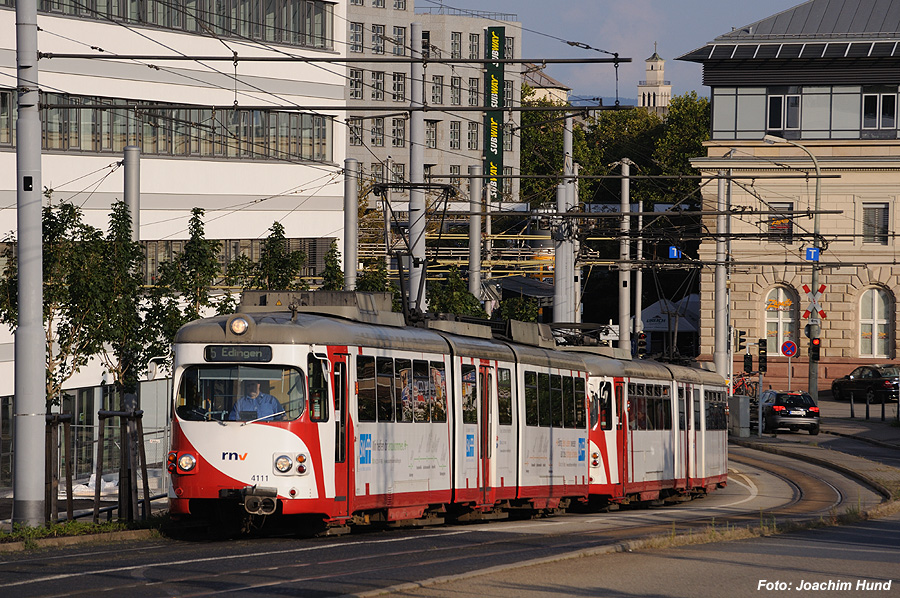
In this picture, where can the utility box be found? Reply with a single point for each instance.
(739, 410)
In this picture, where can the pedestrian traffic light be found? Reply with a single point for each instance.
(642, 343)
(741, 341)
(748, 363)
(815, 347)
(763, 355)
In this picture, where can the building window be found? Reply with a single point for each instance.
(398, 132)
(378, 3)
(377, 85)
(880, 111)
(875, 223)
(509, 47)
(437, 89)
(874, 324)
(426, 44)
(399, 87)
(399, 4)
(508, 98)
(473, 91)
(399, 172)
(454, 175)
(455, 91)
(474, 46)
(784, 113)
(356, 84)
(377, 172)
(455, 133)
(355, 126)
(356, 37)
(455, 44)
(472, 136)
(781, 222)
(377, 39)
(378, 132)
(356, 3)
(507, 137)
(399, 41)
(782, 317)
(431, 133)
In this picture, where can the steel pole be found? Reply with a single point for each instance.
(132, 163)
(475, 207)
(351, 223)
(416, 171)
(625, 256)
(30, 402)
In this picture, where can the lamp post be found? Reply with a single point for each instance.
(814, 319)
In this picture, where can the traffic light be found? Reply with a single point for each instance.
(763, 355)
(741, 341)
(748, 363)
(642, 343)
(815, 347)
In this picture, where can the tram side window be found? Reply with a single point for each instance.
(384, 388)
(318, 389)
(469, 395)
(531, 399)
(365, 394)
(439, 392)
(681, 418)
(544, 408)
(504, 396)
(568, 402)
(556, 401)
(404, 384)
(716, 419)
(580, 404)
(601, 407)
(421, 392)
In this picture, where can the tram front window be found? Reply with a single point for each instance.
(240, 393)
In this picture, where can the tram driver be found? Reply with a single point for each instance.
(254, 404)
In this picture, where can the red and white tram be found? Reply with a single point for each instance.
(362, 419)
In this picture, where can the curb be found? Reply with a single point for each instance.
(62, 541)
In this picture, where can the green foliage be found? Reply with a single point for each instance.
(73, 302)
(524, 309)
(278, 268)
(333, 276)
(182, 292)
(24, 533)
(120, 282)
(452, 296)
(374, 279)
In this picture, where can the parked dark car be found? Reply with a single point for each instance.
(870, 383)
(795, 410)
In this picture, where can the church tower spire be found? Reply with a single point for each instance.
(654, 93)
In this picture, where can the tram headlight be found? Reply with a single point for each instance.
(239, 326)
(186, 462)
(283, 463)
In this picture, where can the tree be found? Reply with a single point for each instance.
(374, 279)
(182, 292)
(333, 276)
(686, 128)
(524, 309)
(120, 281)
(73, 302)
(452, 296)
(278, 267)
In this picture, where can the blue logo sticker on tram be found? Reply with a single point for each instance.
(365, 449)
(582, 452)
(470, 445)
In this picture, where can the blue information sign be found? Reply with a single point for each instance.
(674, 252)
(789, 348)
(812, 254)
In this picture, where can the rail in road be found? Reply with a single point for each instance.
(768, 489)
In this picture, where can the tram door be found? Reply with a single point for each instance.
(622, 434)
(341, 417)
(485, 382)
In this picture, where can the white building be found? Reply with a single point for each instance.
(654, 92)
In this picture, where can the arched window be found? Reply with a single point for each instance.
(782, 318)
(874, 324)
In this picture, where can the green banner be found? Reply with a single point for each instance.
(494, 47)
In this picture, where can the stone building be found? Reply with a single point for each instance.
(654, 92)
(821, 79)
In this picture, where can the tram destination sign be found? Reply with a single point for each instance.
(251, 353)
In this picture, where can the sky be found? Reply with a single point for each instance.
(629, 27)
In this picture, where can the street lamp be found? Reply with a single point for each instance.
(814, 319)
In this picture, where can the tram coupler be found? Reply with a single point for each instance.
(260, 500)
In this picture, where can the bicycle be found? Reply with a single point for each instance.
(744, 385)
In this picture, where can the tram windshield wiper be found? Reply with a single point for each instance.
(263, 417)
